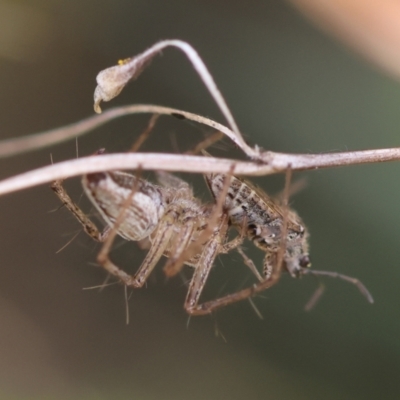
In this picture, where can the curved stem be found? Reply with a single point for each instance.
(275, 163)
(15, 146)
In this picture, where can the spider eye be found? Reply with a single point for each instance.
(305, 261)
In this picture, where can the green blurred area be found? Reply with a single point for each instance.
(291, 89)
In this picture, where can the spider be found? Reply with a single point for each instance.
(168, 215)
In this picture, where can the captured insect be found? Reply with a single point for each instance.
(264, 221)
(275, 229)
(176, 224)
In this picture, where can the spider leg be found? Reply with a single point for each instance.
(159, 244)
(201, 272)
(103, 256)
(145, 134)
(210, 251)
(88, 226)
(266, 283)
(216, 218)
(197, 246)
(177, 252)
(210, 306)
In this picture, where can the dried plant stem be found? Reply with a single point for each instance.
(15, 146)
(278, 163)
(110, 83)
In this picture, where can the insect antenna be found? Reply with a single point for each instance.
(361, 287)
(314, 299)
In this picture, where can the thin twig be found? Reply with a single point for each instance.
(186, 163)
(36, 141)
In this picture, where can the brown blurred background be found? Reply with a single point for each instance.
(291, 88)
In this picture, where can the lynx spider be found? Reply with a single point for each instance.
(177, 224)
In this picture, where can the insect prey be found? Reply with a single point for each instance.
(264, 222)
(273, 228)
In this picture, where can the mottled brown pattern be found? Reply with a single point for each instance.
(264, 218)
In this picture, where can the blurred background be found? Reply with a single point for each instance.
(291, 88)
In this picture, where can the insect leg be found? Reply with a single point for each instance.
(270, 267)
(249, 262)
(236, 242)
